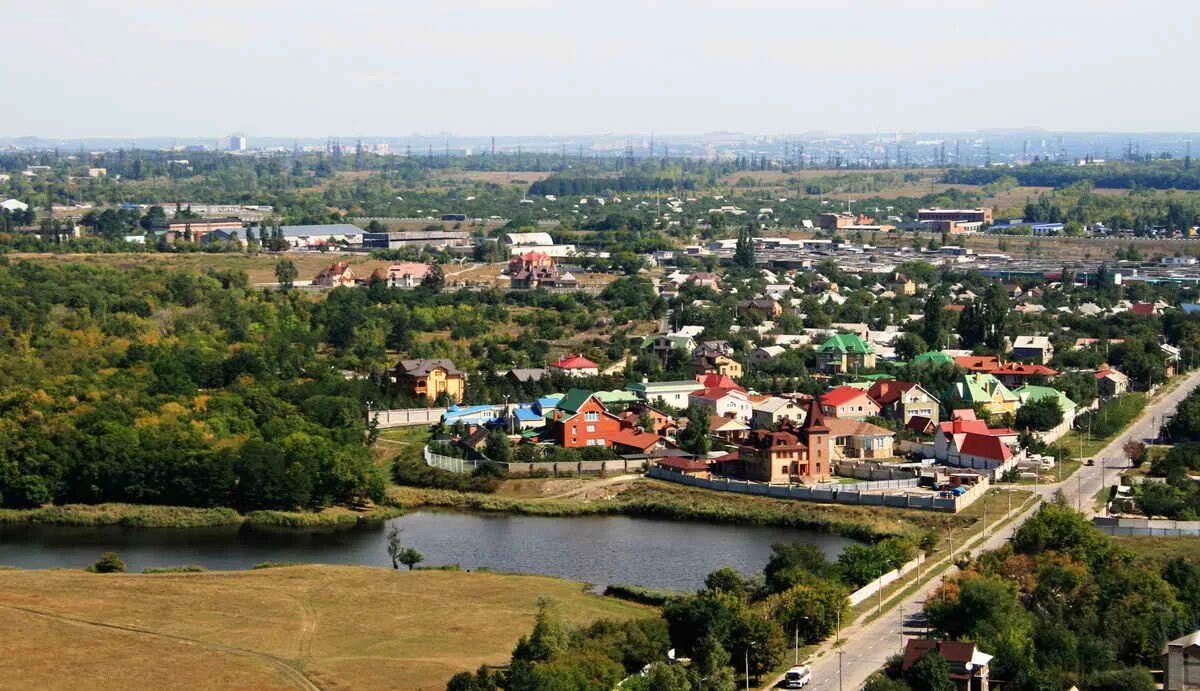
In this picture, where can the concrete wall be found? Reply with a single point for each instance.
(872, 471)
(463, 465)
(1157, 527)
(408, 417)
(891, 576)
(862, 493)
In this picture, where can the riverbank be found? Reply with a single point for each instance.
(281, 628)
(644, 497)
(155, 516)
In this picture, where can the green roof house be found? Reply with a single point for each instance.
(935, 357)
(1030, 392)
(845, 353)
(981, 389)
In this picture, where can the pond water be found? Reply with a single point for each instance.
(655, 553)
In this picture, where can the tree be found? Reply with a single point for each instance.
(109, 563)
(435, 279)
(728, 580)
(285, 273)
(410, 557)
(933, 324)
(694, 438)
(743, 254)
(547, 638)
(930, 673)
(814, 609)
(394, 546)
(497, 447)
(1135, 451)
(1042, 414)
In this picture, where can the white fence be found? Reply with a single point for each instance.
(1156, 527)
(862, 493)
(407, 417)
(890, 577)
(871, 470)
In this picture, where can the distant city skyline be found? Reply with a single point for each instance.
(139, 68)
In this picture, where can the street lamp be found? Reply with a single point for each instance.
(748, 646)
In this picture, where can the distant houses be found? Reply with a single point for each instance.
(843, 353)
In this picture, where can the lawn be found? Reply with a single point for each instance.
(1161, 548)
(260, 267)
(306, 626)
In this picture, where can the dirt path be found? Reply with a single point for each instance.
(591, 486)
(298, 679)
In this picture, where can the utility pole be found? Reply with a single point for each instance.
(840, 654)
(901, 628)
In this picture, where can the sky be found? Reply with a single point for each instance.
(312, 68)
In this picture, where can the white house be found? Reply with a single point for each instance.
(673, 393)
(773, 411)
(766, 354)
(11, 205)
(723, 402)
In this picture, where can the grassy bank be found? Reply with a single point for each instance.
(289, 627)
(152, 516)
(653, 498)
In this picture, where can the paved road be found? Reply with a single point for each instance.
(866, 647)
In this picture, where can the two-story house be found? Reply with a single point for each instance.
(849, 402)
(580, 419)
(903, 400)
(845, 353)
(430, 378)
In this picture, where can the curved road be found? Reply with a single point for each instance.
(866, 647)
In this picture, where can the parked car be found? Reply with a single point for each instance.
(1091, 462)
(797, 677)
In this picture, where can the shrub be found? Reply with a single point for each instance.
(109, 563)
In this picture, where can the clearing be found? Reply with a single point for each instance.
(289, 627)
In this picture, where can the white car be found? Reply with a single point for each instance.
(797, 677)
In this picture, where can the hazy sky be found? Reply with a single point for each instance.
(391, 68)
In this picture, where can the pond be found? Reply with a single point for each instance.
(655, 553)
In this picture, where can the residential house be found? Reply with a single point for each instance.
(858, 439)
(574, 366)
(1037, 349)
(901, 284)
(704, 279)
(765, 354)
(632, 441)
(776, 411)
(335, 275)
(731, 403)
(845, 353)
(902, 400)
(972, 444)
(798, 454)
(431, 378)
(762, 308)
(969, 666)
(673, 393)
(580, 419)
(984, 390)
(526, 375)
(934, 357)
(1015, 374)
(849, 402)
(1110, 383)
(1181, 663)
(720, 364)
(717, 380)
(664, 345)
(1030, 392)
(406, 274)
(728, 429)
(977, 363)
(538, 270)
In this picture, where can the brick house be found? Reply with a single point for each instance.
(581, 420)
(430, 378)
(799, 454)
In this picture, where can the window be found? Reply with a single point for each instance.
(783, 469)
(591, 417)
(591, 428)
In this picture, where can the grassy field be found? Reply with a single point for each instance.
(260, 268)
(333, 627)
(1161, 548)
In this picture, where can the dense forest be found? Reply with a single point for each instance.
(179, 388)
(1167, 175)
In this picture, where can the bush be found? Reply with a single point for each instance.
(109, 563)
(485, 479)
(639, 594)
(190, 568)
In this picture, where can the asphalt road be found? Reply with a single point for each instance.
(867, 646)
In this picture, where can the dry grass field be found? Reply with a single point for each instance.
(260, 268)
(499, 177)
(308, 627)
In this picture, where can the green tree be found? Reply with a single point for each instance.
(1042, 414)
(285, 273)
(727, 580)
(497, 446)
(410, 557)
(695, 437)
(743, 253)
(929, 673)
(435, 279)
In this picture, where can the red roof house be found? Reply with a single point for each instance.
(847, 401)
(575, 366)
